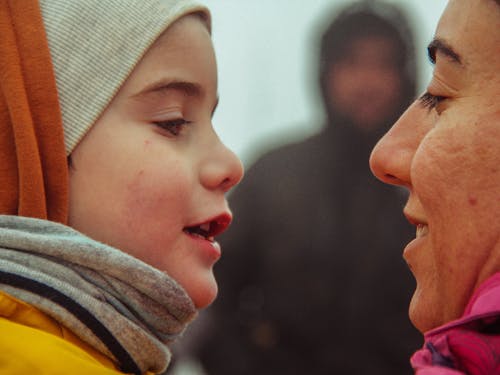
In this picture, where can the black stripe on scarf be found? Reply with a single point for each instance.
(127, 364)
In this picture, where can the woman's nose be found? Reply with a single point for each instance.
(221, 168)
(392, 156)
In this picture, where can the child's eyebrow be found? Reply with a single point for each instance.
(163, 87)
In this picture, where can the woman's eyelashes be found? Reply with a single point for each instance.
(174, 127)
(430, 101)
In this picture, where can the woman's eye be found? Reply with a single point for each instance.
(430, 101)
(174, 127)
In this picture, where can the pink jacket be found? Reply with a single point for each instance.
(469, 345)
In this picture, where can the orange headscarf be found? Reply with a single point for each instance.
(33, 165)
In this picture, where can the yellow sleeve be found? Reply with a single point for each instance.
(26, 350)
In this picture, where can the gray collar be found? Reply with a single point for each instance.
(121, 306)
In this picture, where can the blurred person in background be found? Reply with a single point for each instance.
(313, 281)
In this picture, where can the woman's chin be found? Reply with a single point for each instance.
(423, 315)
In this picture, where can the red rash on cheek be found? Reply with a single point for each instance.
(135, 195)
(472, 200)
(145, 194)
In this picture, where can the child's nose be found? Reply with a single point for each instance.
(222, 169)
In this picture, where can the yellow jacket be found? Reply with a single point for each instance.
(33, 343)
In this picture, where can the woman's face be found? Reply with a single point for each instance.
(446, 150)
(151, 175)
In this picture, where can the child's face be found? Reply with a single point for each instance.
(152, 169)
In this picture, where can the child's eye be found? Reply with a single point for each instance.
(430, 101)
(174, 127)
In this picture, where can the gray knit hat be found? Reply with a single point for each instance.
(95, 44)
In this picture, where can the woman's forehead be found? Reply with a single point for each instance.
(471, 31)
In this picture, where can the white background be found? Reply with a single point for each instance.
(266, 52)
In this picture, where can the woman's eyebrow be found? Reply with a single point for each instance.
(439, 45)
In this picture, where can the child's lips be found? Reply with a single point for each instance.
(204, 234)
(208, 229)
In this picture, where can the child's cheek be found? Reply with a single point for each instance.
(155, 198)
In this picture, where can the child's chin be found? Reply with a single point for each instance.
(204, 294)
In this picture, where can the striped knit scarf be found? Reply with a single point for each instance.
(121, 306)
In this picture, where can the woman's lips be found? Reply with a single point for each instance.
(421, 232)
(422, 228)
